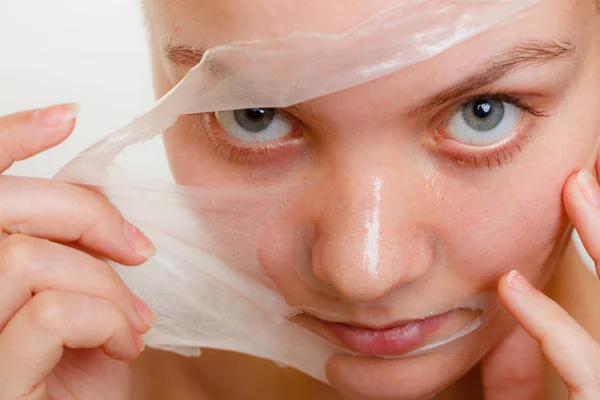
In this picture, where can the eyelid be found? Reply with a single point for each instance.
(248, 153)
(299, 115)
(243, 153)
(511, 98)
(497, 153)
(497, 156)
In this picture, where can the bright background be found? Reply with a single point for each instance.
(90, 52)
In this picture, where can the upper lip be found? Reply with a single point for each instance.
(378, 326)
(381, 327)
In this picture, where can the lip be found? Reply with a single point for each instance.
(391, 340)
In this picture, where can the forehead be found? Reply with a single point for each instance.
(235, 20)
(215, 22)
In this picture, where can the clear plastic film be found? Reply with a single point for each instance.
(208, 283)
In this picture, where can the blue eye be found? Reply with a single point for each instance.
(255, 125)
(484, 121)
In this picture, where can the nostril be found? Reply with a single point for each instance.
(370, 289)
(320, 282)
(363, 290)
(354, 283)
(350, 279)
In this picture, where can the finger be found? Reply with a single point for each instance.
(29, 266)
(514, 369)
(32, 343)
(581, 196)
(568, 347)
(28, 133)
(70, 214)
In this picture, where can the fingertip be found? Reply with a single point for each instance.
(58, 134)
(25, 134)
(570, 185)
(138, 242)
(503, 285)
(505, 293)
(581, 197)
(57, 123)
(514, 290)
(57, 115)
(139, 342)
(145, 313)
(576, 203)
(103, 229)
(502, 282)
(516, 281)
(581, 191)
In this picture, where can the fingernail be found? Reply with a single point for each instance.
(589, 186)
(518, 282)
(144, 311)
(57, 115)
(139, 342)
(138, 241)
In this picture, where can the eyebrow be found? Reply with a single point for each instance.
(183, 56)
(528, 53)
(524, 54)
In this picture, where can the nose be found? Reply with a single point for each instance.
(368, 238)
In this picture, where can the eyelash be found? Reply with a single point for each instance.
(248, 154)
(497, 156)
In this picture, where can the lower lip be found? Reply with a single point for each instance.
(392, 341)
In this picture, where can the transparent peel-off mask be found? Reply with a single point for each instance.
(207, 283)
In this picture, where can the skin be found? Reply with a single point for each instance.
(56, 298)
(454, 245)
(68, 324)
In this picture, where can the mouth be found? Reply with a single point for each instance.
(385, 341)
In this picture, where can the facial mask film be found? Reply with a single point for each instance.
(207, 283)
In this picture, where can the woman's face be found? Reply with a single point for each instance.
(425, 186)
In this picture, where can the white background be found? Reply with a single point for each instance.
(90, 52)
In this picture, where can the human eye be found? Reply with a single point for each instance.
(484, 121)
(487, 129)
(255, 125)
(253, 135)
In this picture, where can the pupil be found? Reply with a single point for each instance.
(483, 115)
(255, 114)
(255, 119)
(482, 109)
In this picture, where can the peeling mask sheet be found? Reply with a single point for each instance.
(206, 283)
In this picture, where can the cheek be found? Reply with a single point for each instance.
(515, 219)
(189, 154)
(504, 231)
(194, 158)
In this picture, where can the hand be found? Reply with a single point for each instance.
(68, 323)
(514, 369)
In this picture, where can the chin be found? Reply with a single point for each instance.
(417, 377)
